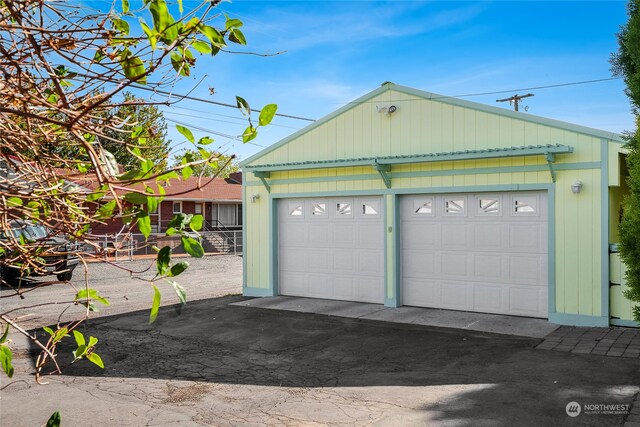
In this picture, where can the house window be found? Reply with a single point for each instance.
(368, 210)
(454, 206)
(198, 210)
(177, 207)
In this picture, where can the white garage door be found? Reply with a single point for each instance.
(331, 248)
(476, 252)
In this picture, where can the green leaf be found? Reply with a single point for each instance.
(180, 6)
(155, 306)
(60, 333)
(192, 247)
(205, 140)
(186, 171)
(79, 337)
(95, 359)
(125, 6)
(243, 106)
(267, 113)
(144, 223)
(180, 291)
(249, 134)
(121, 25)
(54, 420)
(201, 46)
(133, 67)
(5, 360)
(92, 341)
(237, 36)
(89, 294)
(151, 35)
(196, 222)
(213, 35)
(170, 231)
(180, 65)
(178, 268)
(106, 210)
(80, 351)
(163, 260)
(14, 201)
(5, 335)
(152, 203)
(185, 132)
(135, 198)
(232, 23)
(48, 329)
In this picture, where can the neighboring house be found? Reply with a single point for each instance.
(404, 197)
(218, 200)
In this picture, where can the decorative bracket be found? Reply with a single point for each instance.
(262, 176)
(550, 157)
(383, 170)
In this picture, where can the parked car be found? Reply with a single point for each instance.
(58, 255)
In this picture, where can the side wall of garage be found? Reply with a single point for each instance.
(578, 223)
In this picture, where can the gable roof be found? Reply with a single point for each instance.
(388, 86)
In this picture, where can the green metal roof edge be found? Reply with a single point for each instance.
(526, 150)
(382, 89)
(508, 113)
(444, 99)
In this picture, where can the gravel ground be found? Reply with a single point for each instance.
(207, 277)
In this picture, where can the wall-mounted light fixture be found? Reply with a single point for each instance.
(387, 109)
(255, 197)
(576, 187)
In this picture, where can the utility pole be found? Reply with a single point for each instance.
(515, 99)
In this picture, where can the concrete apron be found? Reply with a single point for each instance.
(494, 323)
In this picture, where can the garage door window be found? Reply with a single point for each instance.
(319, 209)
(525, 205)
(343, 209)
(295, 209)
(423, 207)
(454, 206)
(489, 206)
(369, 207)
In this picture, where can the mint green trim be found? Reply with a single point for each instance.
(551, 238)
(397, 264)
(273, 240)
(248, 291)
(604, 228)
(490, 153)
(393, 251)
(244, 236)
(550, 158)
(262, 176)
(578, 320)
(383, 170)
(388, 302)
(443, 99)
(445, 172)
(626, 323)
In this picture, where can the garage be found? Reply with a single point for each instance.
(485, 252)
(331, 248)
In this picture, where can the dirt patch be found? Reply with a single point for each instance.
(189, 394)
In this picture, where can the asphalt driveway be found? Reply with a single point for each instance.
(215, 364)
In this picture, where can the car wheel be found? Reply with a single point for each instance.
(66, 276)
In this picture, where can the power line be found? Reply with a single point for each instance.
(208, 101)
(240, 120)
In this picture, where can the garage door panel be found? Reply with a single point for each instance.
(420, 264)
(454, 264)
(370, 263)
(332, 248)
(478, 252)
(454, 236)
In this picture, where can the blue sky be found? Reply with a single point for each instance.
(336, 51)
